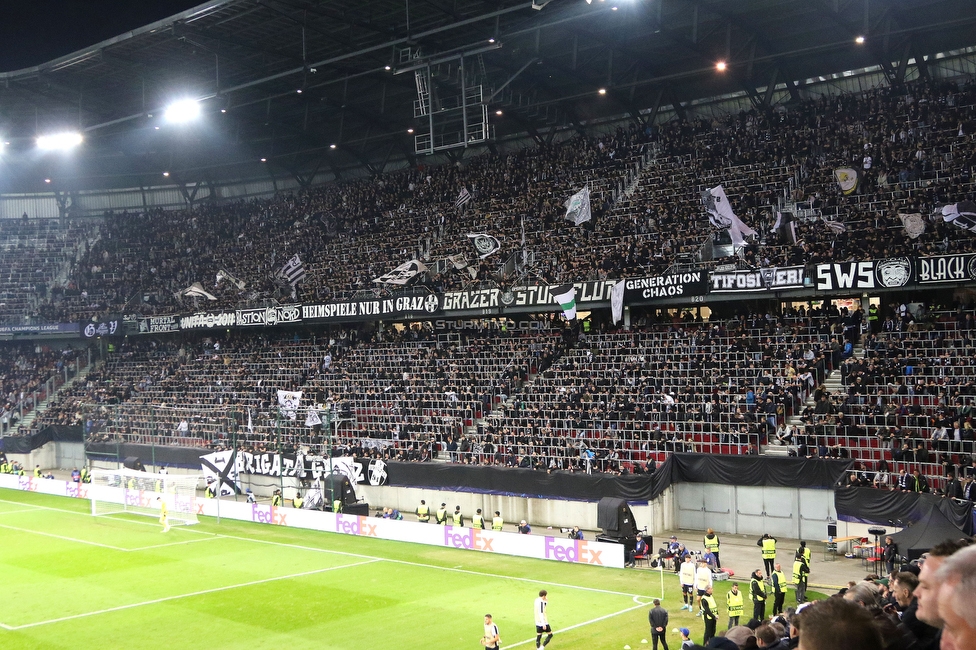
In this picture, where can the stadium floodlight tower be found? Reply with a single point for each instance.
(63, 141)
(182, 111)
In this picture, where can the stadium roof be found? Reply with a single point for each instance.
(330, 85)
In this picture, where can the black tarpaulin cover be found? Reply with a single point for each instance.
(52, 433)
(872, 506)
(932, 529)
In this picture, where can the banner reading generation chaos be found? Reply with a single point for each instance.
(692, 283)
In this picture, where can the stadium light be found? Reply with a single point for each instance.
(184, 110)
(721, 66)
(859, 40)
(602, 91)
(59, 141)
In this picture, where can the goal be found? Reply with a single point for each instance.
(115, 491)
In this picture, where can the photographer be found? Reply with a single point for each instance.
(576, 533)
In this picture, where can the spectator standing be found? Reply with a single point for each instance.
(658, 618)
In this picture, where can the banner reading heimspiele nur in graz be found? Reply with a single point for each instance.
(403, 306)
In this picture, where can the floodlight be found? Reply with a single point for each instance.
(721, 66)
(859, 40)
(181, 111)
(59, 141)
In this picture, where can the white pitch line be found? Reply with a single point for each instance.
(189, 541)
(62, 537)
(583, 624)
(180, 596)
(14, 512)
(5, 627)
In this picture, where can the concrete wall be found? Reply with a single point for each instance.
(794, 513)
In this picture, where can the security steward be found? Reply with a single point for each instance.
(478, 521)
(712, 543)
(457, 518)
(297, 501)
(497, 522)
(709, 611)
(873, 319)
(276, 499)
(768, 545)
(779, 589)
(423, 512)
(733, 601)
(757, 589)
(85, 475)
(440, 517)
(805, 552)
(801, 572)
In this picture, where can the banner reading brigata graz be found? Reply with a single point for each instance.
(774, 278)
(890, 273)
(692, 283)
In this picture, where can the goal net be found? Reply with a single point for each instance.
(115, 491)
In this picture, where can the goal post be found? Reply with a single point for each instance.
(117, 491)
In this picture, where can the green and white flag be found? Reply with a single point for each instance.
(566, 297)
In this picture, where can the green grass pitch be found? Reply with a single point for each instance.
(71, 580)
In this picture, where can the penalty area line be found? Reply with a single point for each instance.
(64, 538)
(202, 592)
(583, 624)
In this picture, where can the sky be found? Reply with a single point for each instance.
(36, 31)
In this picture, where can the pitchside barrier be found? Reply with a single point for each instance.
(541, 547)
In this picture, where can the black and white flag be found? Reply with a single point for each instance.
(403, 274)
(463, 198)
(224, 274)
(484, 245)
(196, 290)
(578, 207)
(313, 419)
(962, 214)
(913, 223)
(785, 227)
(293, 271)
(288, 402)
(221, 467)
(720, 215)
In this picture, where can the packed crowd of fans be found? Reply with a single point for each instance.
(29, 373)
(914, 148)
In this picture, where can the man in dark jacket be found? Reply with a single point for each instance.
(658, 618)
(924, 637)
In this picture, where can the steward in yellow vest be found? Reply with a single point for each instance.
(497, 522)
(478, 521)
(440, 517)
(423, 512)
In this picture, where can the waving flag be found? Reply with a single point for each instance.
(578, 207)
(720, 215)
(566, 297)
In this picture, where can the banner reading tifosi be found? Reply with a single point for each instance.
(765, 279)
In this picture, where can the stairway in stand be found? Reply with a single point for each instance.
(833, 385)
